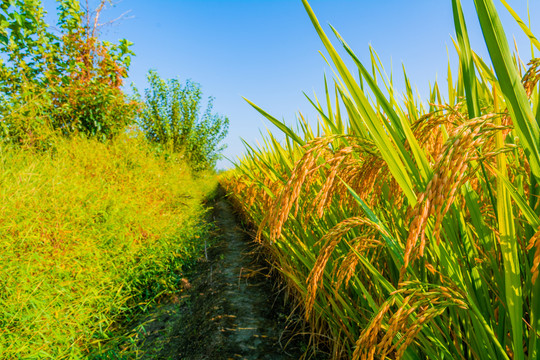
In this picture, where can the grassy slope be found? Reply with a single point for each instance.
(89, 232)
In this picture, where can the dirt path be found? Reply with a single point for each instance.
(228, 311)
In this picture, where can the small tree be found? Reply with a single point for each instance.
(171, 117)
(75, 78)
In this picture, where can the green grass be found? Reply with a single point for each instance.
(90, 235)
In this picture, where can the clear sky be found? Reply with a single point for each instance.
(268, 51)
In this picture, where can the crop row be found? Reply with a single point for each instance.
(404, 229)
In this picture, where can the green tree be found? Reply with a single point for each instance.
(73, 79)
(171, 116)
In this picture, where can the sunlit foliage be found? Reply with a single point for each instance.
(68, 81)
(407, 229)
(171, 117)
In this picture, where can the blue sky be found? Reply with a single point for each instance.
(268, 51)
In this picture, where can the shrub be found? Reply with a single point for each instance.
(75, 79)
(171, 117)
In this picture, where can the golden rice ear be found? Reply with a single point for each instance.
(532, 76)
(534, 242)
(328, 244)
(428, 128)
(318, 156)
(347, 269)
(335, 164)
(451, 171)
(288, 195)
(359, 161)
(366, 345)
(398, 322)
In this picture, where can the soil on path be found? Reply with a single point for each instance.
(228, 310)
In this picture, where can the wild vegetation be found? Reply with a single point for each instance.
(68, 82)
(404, 229)
(96, 222)
(91, 234)
(171, 119)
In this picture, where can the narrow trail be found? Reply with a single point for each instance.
(228, 310)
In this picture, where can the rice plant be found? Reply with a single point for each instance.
(406, 230)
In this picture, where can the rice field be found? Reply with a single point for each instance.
(406, 229)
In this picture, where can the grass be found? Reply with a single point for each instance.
(407, 229)
(91, 234)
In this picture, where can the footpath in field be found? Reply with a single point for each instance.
(229, 310)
